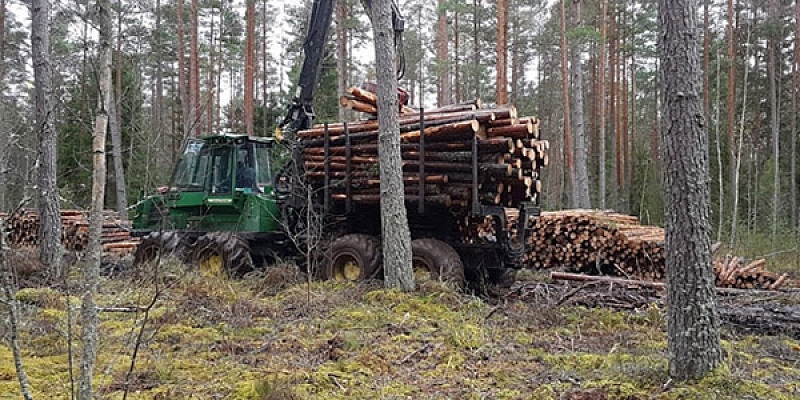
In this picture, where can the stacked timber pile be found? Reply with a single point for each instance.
(508, 155)
(22, 230)
(606, 243)
(735, 272)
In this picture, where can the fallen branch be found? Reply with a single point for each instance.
(565, 276)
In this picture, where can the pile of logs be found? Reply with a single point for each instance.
(734, 272)
(22, 230)
(606, 243)
(509, 155)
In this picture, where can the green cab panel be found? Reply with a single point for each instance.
(221, 183)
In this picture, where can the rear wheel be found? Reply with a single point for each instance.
(218, 254)
(353, 257)
(157, 244)
(438, 260)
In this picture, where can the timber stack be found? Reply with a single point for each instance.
(606, 243)
(22, 230)
(446, 153)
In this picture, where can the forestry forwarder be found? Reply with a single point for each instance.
(226, 211)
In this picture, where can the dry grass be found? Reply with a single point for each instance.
(274, 336)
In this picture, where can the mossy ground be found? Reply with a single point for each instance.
(276, 337)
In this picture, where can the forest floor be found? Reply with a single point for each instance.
(272, 335)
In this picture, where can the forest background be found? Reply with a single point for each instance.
(592, 79)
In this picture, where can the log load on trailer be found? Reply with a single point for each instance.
(227, 209)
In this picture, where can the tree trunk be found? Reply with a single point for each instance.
(502, 52)
(115, 128)
(3, 139)
(50, 216)
(692, 318)
(183, 83)
(442, 41)
(194, 73)
(341, 54)
(731, 117)
(773, 120)
(92, 269)
(249, 65)
(580, 192)
(568, 149)
(394, 222)
(456, 59)
(795, 227)
(601, 109)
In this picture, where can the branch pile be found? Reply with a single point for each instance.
(507, 148)
(606, 243)
(22, 230)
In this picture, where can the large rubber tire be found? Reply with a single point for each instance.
(158, 244)
(221, 254)
(353, 257)
(438, 259)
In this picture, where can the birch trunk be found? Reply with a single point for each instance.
(91, 272)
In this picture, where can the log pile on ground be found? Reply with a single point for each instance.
(606, 243)
(507, 148)
(22, 230)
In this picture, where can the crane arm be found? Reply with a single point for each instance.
(301, 112)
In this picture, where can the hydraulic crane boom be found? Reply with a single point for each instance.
(301, 113)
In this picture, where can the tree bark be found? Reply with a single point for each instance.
(580, 192)
(502, 52)
(183, 83)
(793, 142)
(731, 117)
(115, 128)
(773, 120)
(601, 109)
(50, 225)
(442, 38)
(194, 73)
(3, 140)
(568, 149)
(341, 54)
(692, 317)
(249, 65)
(92, 269)
(394, 222)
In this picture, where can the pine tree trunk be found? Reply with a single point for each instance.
(601, 109)
(249, 65)
(194, 73)
(692, 318)
(442, 41)
(773, 107)
(502, 52)
(341, 54)
(394, 222)
(580, 191)
(92, 269)
(568, 149)
(50, 216)
(456, 58)
(115, 128)
(731, 116)
(793, 142)
(3, 139)
(183, 82)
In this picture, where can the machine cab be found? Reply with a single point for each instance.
(220, 165)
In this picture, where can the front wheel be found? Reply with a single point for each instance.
(156, 245)
(353, 257)
(217, 254)
(439, 260)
